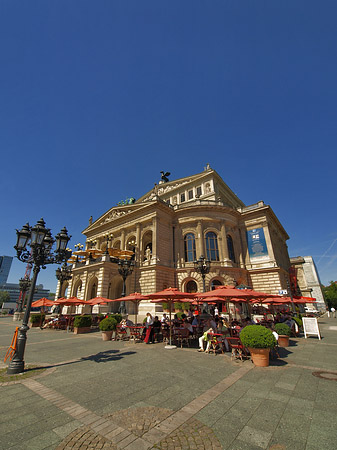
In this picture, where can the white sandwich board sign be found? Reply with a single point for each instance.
(310, 327)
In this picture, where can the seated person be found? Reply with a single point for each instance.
(205, 337)
(164, 319)
(188, 326)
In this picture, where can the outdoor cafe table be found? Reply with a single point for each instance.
(136, 331)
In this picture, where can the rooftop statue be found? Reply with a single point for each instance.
(164, 176)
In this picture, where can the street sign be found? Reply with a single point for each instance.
(283, 292)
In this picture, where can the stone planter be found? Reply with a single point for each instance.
(260, 356)
(283, 340)
(107, 335)
(82, 330)
(36, 324)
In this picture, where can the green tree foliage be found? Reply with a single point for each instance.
(330, 294)
(4, 297)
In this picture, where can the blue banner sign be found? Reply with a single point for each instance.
(257, 246)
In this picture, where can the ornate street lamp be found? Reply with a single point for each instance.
(63, 274)
(40, 241)
(203, 266)
(125, 268)
(24, 284)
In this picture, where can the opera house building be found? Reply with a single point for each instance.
(167, 230)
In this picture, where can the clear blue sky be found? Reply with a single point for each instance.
(97, 97)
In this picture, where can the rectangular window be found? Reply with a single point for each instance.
(190, 194)
(199, 192)
(182, 198)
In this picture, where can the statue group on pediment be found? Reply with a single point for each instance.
(115, 214)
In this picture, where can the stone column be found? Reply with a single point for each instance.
(103, 282)
(224, 249)
(200, 246)
(154, 240)
(138, 248)
(123, 240)
(268, 242)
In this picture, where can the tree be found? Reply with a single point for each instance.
(330, 294)
(4, 297)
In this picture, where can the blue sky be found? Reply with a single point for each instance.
(97, 97)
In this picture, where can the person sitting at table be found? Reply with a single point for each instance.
(176, 321)
(205, 337)
(164, 319)
(188, 326)
(156, 326)
(195, 321)
(51, 323)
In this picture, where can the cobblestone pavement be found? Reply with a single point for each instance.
(121, 395)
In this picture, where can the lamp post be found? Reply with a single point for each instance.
(108, 238)
(202, 266)
(40, 240)
(24, 284)
(63, 274)
(125, 268)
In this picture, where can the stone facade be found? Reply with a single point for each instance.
(174, 224)
(307, 280)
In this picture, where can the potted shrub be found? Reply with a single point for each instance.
(259, 340)
(283, 332)
(37, 319)
(82, 324)
(107, 326)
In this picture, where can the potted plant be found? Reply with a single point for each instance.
(283, 331)
(259, 340)
(82, 324)
(107, 326)
(37, 319)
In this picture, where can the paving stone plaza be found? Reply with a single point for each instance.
(122, 395)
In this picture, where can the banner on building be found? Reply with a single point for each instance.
(256, 240)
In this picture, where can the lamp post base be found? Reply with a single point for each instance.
(16, 367)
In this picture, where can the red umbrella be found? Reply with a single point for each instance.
(136, 298)
(69, 301)
(97, 301)
(304, 300)
(43, 302)
(170, 295)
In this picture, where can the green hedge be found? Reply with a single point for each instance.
(282, 329)
(82, 321)
(117, 317)
(37, 318)
(298, 321)
(108, 324)
(257, 336)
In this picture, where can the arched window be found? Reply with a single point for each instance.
(230, 247)
(189, 244)
(93, 292)
(215, 283)
(191, 287)
(212, 250)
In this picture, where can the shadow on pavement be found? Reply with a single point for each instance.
(109, 355)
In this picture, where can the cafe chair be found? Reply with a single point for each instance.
(238, 350)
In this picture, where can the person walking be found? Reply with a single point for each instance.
(333, 312)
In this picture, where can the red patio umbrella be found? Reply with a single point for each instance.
(43, 302)
(69, 301)
(97, 301)
(135, 298)
(170, 295)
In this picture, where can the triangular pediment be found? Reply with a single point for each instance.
(114, 214)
